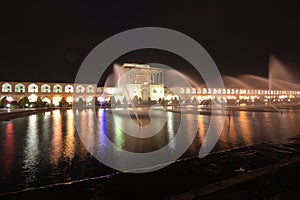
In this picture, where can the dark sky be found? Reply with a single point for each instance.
(48, 41)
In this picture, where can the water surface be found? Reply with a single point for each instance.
(43, 149)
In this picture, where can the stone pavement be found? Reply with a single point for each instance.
(278, 181)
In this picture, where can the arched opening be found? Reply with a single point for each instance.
(6, 88)
(20, 88)
(90, 89)
(57, 88)
(46, 88)
(47, 100)
(79, 89)
(33, 88)
(69, 89)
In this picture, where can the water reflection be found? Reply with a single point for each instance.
(119, 136)
(44, 148)
(170, 129)
(46, 125)
(230, 133)
(31, 150)
(244, 124)
(69, 148)
(102, 131)
(8, 150)
(56, 138)
(190, 120)
(87, 128)
(90, 130)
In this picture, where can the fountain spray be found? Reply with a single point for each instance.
(122, 76)
(272, 61)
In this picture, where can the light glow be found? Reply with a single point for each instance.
(69, 99)
(56, 100)
(10, 99)
(32, 98)
(101, 99)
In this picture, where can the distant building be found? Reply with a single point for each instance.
(49, 92)
(143, 82)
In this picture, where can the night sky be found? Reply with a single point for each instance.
(48, 41)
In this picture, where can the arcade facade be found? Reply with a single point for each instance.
(142, 82)
(49, 92)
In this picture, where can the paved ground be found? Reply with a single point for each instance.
(278, 181)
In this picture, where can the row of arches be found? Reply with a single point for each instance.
(225, 91)
(56, 99)
(45, 88)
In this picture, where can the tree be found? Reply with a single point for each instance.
(3, 101)
(194, 101)
(163, 101)
(135, 100)
(95, 101)
(206, 102)
(39, 102)
(63, 103)
(112, 100)
(149, 101)
(125, 102)
(180, 100)
(23, 102)
(118, 102)
(80, 102)
(159, 100)
(176, 101)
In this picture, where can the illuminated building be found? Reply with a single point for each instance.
(143, 82)
(51, 93)
(235, 94)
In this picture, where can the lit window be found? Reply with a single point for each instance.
(187, 90)
(45, 88)
(33, 88)
(69, 89)
(57, 88)
(181, 90)
(6, 87)
(79, 89)
(90, 89)
(20, 88)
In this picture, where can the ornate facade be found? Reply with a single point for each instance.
(49, 92)
(140, 81)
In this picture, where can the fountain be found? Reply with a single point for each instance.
(277, 73)
(245, 89)
(122, 84)
(232, 82)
